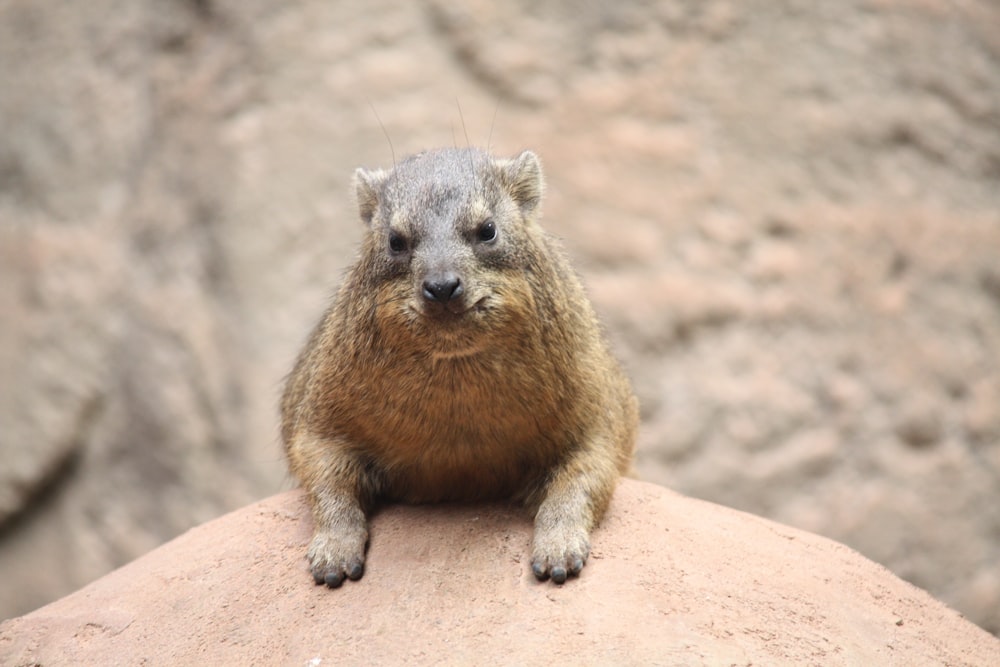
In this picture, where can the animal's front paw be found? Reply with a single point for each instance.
(559, 552)
(334, 557)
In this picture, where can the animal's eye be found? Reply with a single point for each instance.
(487, 231)
(397, 243)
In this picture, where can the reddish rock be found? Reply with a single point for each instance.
(672, 580)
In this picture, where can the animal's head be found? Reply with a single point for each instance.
(450, 246)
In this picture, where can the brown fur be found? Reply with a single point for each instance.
(505, 390)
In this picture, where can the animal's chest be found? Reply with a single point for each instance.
(462, 396)
(458, 428)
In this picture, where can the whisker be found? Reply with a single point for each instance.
(468, 144)
(380, 124)
(489, 140)
(464, 128)
(392, 299)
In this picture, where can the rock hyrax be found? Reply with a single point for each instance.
(459, 361)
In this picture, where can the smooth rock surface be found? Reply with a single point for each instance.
(672, 581)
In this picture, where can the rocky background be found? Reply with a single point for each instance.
(788, 214)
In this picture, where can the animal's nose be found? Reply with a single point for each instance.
(443, 288)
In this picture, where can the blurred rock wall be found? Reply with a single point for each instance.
(788, 214)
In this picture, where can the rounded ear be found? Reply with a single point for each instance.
(367, 184)
(522, 177)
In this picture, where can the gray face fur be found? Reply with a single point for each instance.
(442, 217)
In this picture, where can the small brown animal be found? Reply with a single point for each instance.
(460, 361)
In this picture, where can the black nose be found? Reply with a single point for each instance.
(443, 288)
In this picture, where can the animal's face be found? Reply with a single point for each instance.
(450, 241)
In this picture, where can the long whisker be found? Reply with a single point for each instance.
(468, 144)
(392, 299)
(380, 124)
(489, 140)
(464, 128)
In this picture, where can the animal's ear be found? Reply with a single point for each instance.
(522, 177)
(367, 186)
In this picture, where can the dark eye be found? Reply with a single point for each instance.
(487, 232)
(397, 243)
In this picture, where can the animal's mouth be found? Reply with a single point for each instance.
(451, 331)
(450, 312)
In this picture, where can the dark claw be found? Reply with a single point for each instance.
(539, 571)
(334, 579)
(357, 569)
(559, 574)
(318, 577)
(577, 566)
